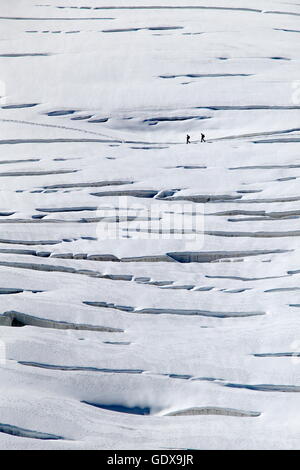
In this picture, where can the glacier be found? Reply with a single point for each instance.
(119, 329)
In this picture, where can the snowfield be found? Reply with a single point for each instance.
(142, 339)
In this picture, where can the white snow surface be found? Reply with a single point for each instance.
(108, 352)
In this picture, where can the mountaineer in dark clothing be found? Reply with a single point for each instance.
(188, 139)
(203, 138)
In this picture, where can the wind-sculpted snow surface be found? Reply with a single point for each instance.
(149, 289)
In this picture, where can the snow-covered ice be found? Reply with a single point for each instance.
(147, 340)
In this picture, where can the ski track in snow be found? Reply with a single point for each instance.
(111, 331)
